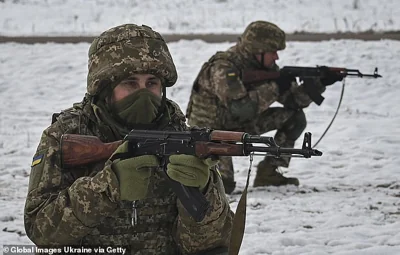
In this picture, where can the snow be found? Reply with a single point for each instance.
(91, 17)
(348, 199)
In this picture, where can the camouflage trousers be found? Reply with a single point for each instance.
(289, 124)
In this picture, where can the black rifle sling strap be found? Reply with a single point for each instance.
(239, 220)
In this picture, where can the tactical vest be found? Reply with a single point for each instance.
(204, 108)
(144, 226)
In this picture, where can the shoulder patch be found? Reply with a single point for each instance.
(37, 160)
(233, 80)
(236, 88)
(231, 75)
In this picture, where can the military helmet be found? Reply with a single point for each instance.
(261, 37)
(125, 50)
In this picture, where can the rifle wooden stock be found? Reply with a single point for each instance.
(79, 150)
(252, 76)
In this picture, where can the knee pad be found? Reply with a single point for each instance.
(295, 125)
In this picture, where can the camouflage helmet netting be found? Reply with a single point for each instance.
(126, 50)
(262, 36)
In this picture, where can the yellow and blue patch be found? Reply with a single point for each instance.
(37, 160)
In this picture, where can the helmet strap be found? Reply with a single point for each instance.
(260, 62)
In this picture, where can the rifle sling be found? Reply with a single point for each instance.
(239, 220)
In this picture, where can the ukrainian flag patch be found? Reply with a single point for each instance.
(37, 160)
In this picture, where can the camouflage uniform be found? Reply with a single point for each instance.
(220, 100)
(81, 205)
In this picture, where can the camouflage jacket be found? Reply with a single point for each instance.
(220, 100)
(80, 206)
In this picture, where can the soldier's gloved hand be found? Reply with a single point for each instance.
(329, 77)
(190, 170)
(133, 174)
(284, 83)
(314, 88)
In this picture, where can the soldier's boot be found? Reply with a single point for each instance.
(225, 166)
(268, 175)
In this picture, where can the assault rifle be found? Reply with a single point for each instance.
(252, 76)
(77, 150)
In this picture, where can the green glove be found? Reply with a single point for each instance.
(133, 174)
(190, 170)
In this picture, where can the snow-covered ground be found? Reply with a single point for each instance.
(348, 201)
(90, 17)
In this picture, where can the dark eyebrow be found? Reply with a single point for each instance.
(133, 78)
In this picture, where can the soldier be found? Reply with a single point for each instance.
(124, 202)
(220, 100)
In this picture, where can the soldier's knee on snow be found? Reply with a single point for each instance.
(295, 125)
